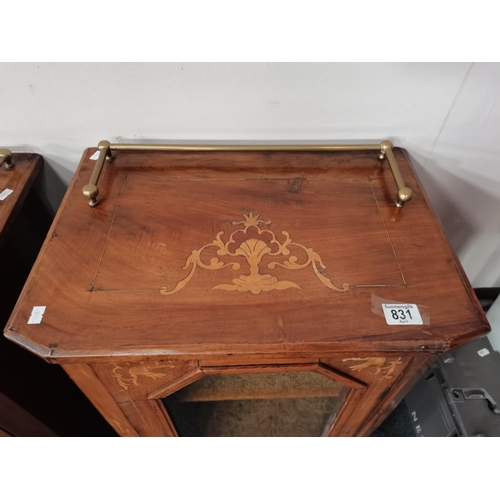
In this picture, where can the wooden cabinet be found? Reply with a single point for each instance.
(23, 227)
(238, 291)
(36, 399)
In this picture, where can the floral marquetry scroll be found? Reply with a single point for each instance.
(381, 365)
(126, 375)
(252, 242)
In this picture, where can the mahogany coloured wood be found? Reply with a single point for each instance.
(20, 180)
(35, 399)
(193, 263)
(4, 433)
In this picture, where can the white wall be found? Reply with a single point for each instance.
(446, 115)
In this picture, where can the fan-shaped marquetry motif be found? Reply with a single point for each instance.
(252, 242)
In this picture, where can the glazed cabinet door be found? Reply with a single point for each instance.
(341, 396)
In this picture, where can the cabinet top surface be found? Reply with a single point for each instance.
(15, 184)
(239, 252)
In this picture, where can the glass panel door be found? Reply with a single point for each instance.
(256, 404)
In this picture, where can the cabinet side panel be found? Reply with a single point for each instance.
(379, 373)
(412, 373)
(86, 379)
(147, 418)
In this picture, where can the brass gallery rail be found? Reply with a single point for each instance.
(384, 148)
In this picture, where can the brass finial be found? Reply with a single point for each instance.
(404, 194)
(6, 158)
(384, 146)
(91, 191)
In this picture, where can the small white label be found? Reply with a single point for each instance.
(483, 352)
(402, 314)
(36, 315)
(5, 193)
(95, 155)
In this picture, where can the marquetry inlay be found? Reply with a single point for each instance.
(136, 371)
(252, 242)
(379, 364)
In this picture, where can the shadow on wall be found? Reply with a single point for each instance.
(57, 173)
(469, 213)
(50, 187)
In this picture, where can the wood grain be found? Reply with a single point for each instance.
(200, 264)
(86, 379)
(351, 404)
(20, 179)
(147, 418)
(177, 384)
(397, 391)
(120, 254)
(142, 386)
(361, 405)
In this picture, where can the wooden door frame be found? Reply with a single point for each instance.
(355, 388)
(371, 393)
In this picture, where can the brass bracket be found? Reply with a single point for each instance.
(6, 159)
(384, 148)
